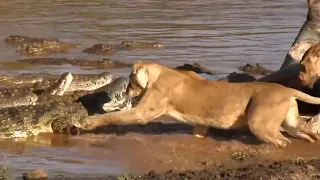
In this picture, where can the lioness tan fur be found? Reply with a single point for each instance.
(263, 107)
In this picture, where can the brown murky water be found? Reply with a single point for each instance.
(220, 34)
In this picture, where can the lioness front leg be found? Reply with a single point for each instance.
(145, 111)
(265, 120)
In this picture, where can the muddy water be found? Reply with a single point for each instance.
(220, 34)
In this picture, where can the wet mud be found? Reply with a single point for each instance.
(164, 149)
(299, 169)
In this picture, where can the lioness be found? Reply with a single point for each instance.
(263, 107)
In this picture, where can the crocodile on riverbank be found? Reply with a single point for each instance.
(111, 93)
(108, 49)
(24, 121)
(33, 46)
(96, 64)
(20, 118)
(108, 98)
(25, 97)
(61, 116)
(55, 90)
(18, 100)
(85, 82)
(105, 99)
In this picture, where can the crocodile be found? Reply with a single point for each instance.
(104, 49)
(238, 77)
(67, 88)
(197, 68)
(255, 69)
(108, 98)
(85, 82)
(21, 79)
(111, 94)
(63, 116)
(32, 46)
(107, 49)
(141, 45)
(96, 64)
(25, 97)
(18, 100)
(24, 121)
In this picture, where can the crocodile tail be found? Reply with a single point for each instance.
(305, 97)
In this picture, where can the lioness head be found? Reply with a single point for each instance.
(143, 75)
(310, 66)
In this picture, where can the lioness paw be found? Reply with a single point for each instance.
(91, 122)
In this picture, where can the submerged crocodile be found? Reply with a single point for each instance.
(104, 49)
(125, 45)
(141, 45)
(197, 68)
(33, 46)
(96, 64)
(255, 69)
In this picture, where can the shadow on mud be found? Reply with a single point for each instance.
(159, 128)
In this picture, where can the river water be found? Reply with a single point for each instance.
(219, 34)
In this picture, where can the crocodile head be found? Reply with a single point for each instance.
(107, 98)
(118, 98)
(61, 85)
(90, 82)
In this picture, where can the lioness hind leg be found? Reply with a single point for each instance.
(293, 125)
(265, 124)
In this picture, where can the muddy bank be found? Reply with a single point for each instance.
(295, 169)
(281, 170)
(137, 150)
